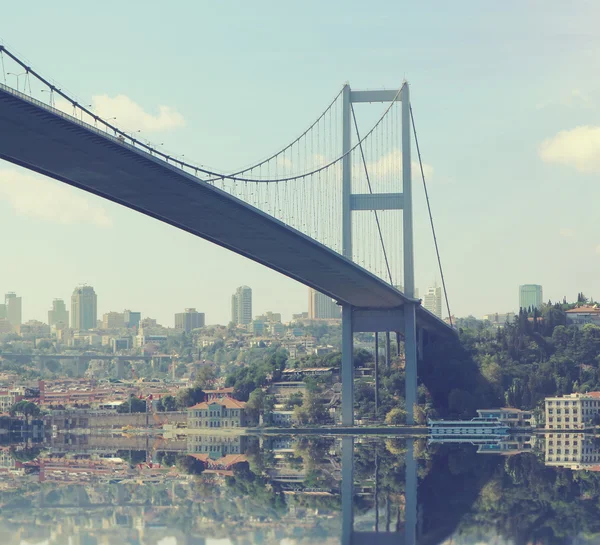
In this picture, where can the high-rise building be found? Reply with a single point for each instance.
(188, 320)
(113, 320)
(13, 309)
(321, 306)
(58, 313)
(241, 306)
(530, 296)
(132, 319)
(2, 312)
(433, 301)
(84, 308)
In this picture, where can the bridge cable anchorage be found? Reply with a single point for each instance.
(182, 164)
(437, 250)
(364, 162)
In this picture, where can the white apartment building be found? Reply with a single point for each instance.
(572, 412)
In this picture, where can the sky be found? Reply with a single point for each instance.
(506, 98)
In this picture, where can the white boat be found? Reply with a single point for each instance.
(476, 427)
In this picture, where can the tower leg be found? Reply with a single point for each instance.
(410, 354)
(347, 367)
(376, 373)
(388, 350)
(347, 490)
(410, 485)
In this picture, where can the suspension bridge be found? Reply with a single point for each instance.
(332, 209)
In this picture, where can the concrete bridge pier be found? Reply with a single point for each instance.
(400, 320)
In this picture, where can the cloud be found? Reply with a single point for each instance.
(575, 98)
(567, 232)
(392, 163)
(130, 116)
(34, 196)
(578, 148)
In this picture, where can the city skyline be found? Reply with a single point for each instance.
(561, 99)
(166, 316)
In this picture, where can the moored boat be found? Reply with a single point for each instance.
(478, 426)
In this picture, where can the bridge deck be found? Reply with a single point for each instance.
(47, 141)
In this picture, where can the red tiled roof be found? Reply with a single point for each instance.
(227, 402)
(584, 310)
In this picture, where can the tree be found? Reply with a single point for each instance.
(205, 377)
(133, 405)
(395, 416)
(189, 465)
(167, 403)
(259, 402)
(26, 408)
(188, 397)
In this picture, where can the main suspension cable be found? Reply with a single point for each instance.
(437, 250)
(362, 153)
(283, 150)
(178, 162)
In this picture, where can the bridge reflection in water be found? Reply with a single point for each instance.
(407, 533)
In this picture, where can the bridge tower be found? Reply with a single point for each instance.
(404, 320)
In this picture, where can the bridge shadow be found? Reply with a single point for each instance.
(454, 380)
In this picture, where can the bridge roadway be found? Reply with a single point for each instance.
(45, 140)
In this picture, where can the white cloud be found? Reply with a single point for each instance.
(575, 98)
(578, 148)
(567, 232)
(130, 116)
(34, 196)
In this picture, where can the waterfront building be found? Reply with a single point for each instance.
(588, 314)
(218, 413)
(322, 307)
(432, 300)
(84, 308)
(515, 418)
(189, 320)
(572, 412)
(241, 306)
(13, 309)
(530, 296)
(131, 318)
(58, 314)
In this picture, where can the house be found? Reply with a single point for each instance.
(581, 316)
(219, 393)
(515, 418)
(218, 413)
(283, 419)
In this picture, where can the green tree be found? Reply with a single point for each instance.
(395, 416)
(188, 397)
(133, 405)
(205, 377)
(167, 403)
(26, 408)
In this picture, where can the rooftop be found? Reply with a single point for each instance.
(227, 402)
(587, 309)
